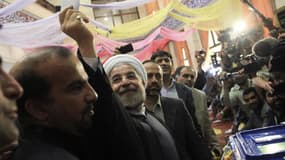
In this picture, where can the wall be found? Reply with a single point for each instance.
(279, 3)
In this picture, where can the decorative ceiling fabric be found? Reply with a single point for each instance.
(142, 54)
(217, 16)
(163, 32)
(47, 31)
(118, 5)
(33, 34)
(140, 27)
(149, 50)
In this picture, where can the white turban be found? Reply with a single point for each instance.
(126, 59)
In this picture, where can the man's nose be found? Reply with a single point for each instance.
(11, 88)
(153, 79)
(92, 95)
(125, 81)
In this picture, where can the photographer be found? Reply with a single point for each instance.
(263, 49)
(276, 68)
(201, 78)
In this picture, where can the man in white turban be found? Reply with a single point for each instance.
(128, 79)
(126, 59)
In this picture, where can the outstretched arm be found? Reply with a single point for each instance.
(115, 136)
(73, 24)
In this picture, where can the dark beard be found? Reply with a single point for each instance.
(152, 91)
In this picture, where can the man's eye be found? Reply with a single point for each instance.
(131, 76)
(77, 87)
(159, 61)
(116, 80)
(166, 60)
(158, 76)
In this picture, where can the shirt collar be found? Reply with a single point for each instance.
(157, 104)
(171, 84)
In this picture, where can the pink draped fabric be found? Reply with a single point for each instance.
(141, 55)
(175, 35)
(148, 51)
(143, 49)
(162, 31)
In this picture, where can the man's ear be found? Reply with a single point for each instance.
(36, 109)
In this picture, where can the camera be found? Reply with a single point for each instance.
(126, 48)
(228, 76)
(281, 16)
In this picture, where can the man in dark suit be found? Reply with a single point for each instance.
(173, 89)
(173, 114)
(277, 66)
(187, 75)
(62, 116)
(128, 80)
(128, 132)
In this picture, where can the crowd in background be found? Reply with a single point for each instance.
(246, 93)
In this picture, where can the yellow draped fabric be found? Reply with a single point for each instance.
(138, 27)
(219, 15)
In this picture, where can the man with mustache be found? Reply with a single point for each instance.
(10, 91)
(173, 114)
(187, 75)
(56, 108)
(257, 109)
(56, 111)
(173, 89)
(277, 71)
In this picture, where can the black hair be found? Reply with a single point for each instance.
(178, 71)
(278, 58)
(160, 53)
(249, 90)
(148, 61)
(35, 86)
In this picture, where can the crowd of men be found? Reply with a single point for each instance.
(58, 105)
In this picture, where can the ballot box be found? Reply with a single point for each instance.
(259, 144)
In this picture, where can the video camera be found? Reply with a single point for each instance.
(280, 13)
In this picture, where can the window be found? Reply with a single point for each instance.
(112, 18)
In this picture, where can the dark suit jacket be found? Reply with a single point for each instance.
(49, 143)
(117, 135)
(185, 94)
(113, 135)
(177, 119)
